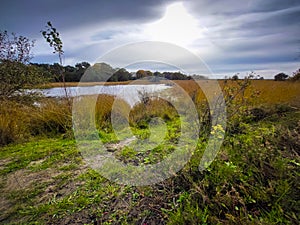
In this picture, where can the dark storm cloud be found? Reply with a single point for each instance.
(249, 17)
(273, 5)
(30, 16)
(287, 20)
(235, 7)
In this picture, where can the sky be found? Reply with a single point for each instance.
(228, 36)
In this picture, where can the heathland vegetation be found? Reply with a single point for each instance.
(44, 179)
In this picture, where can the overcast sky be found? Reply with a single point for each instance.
(230, 36)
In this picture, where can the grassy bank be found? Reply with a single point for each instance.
(253, 180)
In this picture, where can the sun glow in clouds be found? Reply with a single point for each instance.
(177, 26)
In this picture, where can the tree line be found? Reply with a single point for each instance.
(71, 73)
(104, 72)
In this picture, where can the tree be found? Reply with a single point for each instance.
(296, 76)
(15, 48)
(69, 73)
(235, 77)
(53, 38)
(82, 65)
(157, 74)
(16, 74)
(143, 73)
(280, 77)
(178, 76)
(80, 70)
(121, 75)
(56, 70)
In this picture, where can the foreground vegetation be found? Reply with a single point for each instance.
(45, 180)
(253, 180)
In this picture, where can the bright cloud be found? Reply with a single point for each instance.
(177, 26)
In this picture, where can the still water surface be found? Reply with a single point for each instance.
(129, 93)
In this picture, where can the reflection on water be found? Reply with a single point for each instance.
(129, 93)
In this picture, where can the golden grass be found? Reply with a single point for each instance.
(270, 92)
(18, 121)
(52, 115)
(277, 92)
(13, 122)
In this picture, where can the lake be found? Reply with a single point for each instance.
(129, 93)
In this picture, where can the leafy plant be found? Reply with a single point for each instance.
(52, 36)
(16, 74)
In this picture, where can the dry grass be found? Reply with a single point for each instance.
(18, 121)
(270, 92)
(277, 92)
(51, 116)
(13, 122)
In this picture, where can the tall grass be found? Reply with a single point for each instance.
(19, 122)
(52, 116)
(270, 91)
(48, 117)
(105, 106)
(14, 121)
